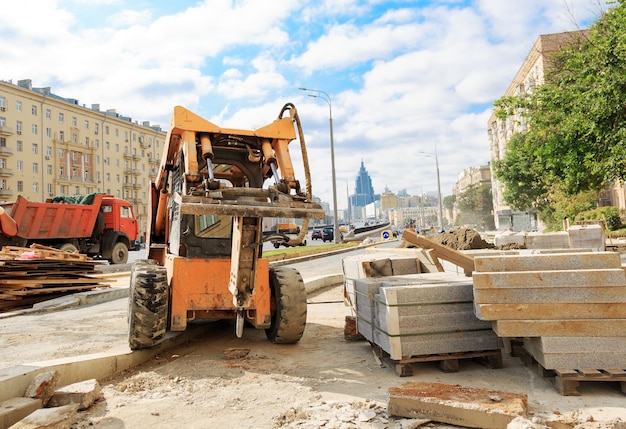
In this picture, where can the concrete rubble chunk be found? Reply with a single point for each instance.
(48, 418)
(42, 387)
(84, 393)
(457, 405)
(15, 409)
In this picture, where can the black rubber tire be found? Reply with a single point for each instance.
(289, 299)
(119, 254)
(148, 305)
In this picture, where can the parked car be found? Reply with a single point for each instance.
(317, 234)
(328, 234)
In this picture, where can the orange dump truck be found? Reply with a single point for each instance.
(98, 225)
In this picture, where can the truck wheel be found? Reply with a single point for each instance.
(276, 245)
(68, 247)
(288, 304)
(148, 305)
(119, 255)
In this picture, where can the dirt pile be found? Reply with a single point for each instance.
(461, 239)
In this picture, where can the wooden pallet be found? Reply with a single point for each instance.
(43, 252)
(448, 362)
(567, 380)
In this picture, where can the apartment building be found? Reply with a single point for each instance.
(50, 145)
(530, 74)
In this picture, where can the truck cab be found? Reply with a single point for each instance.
(119, 216)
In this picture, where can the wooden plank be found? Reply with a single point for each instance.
(454, 256)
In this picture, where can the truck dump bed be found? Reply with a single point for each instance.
(55, 220)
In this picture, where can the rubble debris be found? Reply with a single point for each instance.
(15, 409)
(455, 404)
(83, 393)
(43, 386)
(48, 418)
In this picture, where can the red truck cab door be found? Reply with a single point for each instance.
(128, 223)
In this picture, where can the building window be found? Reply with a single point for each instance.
(74, 122)
(18, 127)
(96, 127)
(106, 130)
(34, 129)
(73, 156)
(50, 189)
(96, 143)
(19, 145)
(3, 121)
(61, 136)
(86, 124)
(74, 138)
(63, 189)
(61, 117)
(48, 114)
(49, 151)
(20, 186)
(35, 148)
(3, 142)
(35, 167)
(117, 147)
(97, 159)
(3, 163)
(35, 187)
(3, 103)
(20, 165)
(49, 169)
(49, 132)
(61, 153)
(18, 106)
(61, 171)
(33, 110)
(106, 145)
(87, 141)
(77, 190)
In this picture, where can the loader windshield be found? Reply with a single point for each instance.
(213, 226)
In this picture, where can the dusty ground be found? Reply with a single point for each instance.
(219, 380)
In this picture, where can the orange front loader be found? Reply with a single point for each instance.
(212, 190)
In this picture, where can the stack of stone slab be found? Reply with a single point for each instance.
(570, 308)
(376, 263)
(423, 314)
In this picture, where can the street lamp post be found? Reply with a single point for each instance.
(324, 96)
(434, 155)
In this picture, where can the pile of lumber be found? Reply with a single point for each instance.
(45, 273)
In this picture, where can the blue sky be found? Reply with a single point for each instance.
(403, 76)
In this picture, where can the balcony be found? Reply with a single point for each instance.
(153, 160)
(128, 185)
(143, 142)
(137, 186)
(6, 150)
(6, 193)
(6, 131)
(6, 172)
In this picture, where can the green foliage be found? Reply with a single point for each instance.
(563, 206)
(476, 205)
(448, 202)
(609, 214)
(576, 140)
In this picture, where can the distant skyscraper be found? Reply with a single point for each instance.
(364, 192)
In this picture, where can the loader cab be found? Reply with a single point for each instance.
(210, 235)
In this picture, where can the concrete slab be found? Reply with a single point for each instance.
(564, 311)
(405, 346)
(550, 295)
(556, 279)
(548, 262)
(457, 405)
(561, 328)
(578, 344)
(13, 410)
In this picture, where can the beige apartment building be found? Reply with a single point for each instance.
(529, 75)
(50, 145)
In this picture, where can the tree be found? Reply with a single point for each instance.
(576, 140)
(476, 205)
